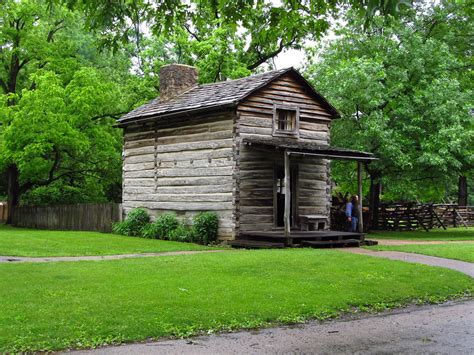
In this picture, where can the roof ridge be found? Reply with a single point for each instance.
(223, 82)
(252, 76)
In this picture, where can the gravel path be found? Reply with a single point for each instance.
(462, 266)
(441, 329)
(24, 259)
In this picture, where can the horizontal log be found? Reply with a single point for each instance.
(161, 197)
(268, 99)
(257, 194)
(312, 184)
(194, 172)
(250, 219)
(151, 139)
(180, 147)
(181, 206)
(256, 210)
(185, 189)
(252, 202)
(226, 152)
(255, 121)
(246, 227)
(195, 181)
(191, 163)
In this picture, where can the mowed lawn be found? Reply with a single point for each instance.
(458, 251)
(460, 234)
(52, 306)
(36, 243)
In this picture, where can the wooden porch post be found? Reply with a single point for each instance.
(359, 192)
(287, 197)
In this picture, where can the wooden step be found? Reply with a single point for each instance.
(255, 244)
(331, 243)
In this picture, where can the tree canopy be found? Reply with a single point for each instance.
(70, 67)
(60, 96)
(404, 88)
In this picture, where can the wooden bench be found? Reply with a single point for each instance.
(313, 222)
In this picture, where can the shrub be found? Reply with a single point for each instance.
(163, 226)
(137, 219)
(182, 233)
(205, 227)
(150, 231)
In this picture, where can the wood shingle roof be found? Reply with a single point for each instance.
(213, 96)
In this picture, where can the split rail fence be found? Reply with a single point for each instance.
(86, 217)
(411, 216)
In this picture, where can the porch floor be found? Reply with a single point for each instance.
(314, 239)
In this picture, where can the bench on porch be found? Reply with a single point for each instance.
(312, 222)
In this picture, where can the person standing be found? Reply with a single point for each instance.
(352, 213)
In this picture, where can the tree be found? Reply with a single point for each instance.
(59, 99)
(57, 134)
(400, 85)
(222, 38)
(46, 51)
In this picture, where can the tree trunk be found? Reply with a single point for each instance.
(462, 191)
(374, 201)
(13, 190)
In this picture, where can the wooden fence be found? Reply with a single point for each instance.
(3, 212)
(410, 216)
(86, 217)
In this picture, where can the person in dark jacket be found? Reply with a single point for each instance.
(352, 213)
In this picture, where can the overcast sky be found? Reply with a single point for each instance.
(290, 58)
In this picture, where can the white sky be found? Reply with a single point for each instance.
(290, 58)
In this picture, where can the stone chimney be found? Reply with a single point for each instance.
(176, 79)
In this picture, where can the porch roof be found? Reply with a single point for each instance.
(308, 148)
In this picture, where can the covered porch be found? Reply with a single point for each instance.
(302, 229)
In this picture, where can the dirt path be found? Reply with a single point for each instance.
(25, 259)
(441, 329)
(462, 266)
(421, 242)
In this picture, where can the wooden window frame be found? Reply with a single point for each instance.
(281, 133)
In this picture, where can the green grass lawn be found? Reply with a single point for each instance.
(458, 251)
(460, 234)
(35, 242)
(53, 306)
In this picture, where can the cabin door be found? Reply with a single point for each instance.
(279, 195)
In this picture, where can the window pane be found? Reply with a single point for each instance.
(285, 120)
(282, 120)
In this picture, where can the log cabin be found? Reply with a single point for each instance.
(255, 150)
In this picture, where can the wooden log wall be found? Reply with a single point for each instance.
(184, 165)
(314, 187)
(255, 169)
(85, 217)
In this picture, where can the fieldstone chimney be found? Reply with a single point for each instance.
(176, 79)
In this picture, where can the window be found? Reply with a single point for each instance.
(285, 121)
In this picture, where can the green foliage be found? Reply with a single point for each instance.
(205, 226)
(167, 227)
(162, 227)
(402, 90)
(224, 38)
(59, 98)
(134, 224)
(182, 233)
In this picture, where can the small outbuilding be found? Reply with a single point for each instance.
(255, 150)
